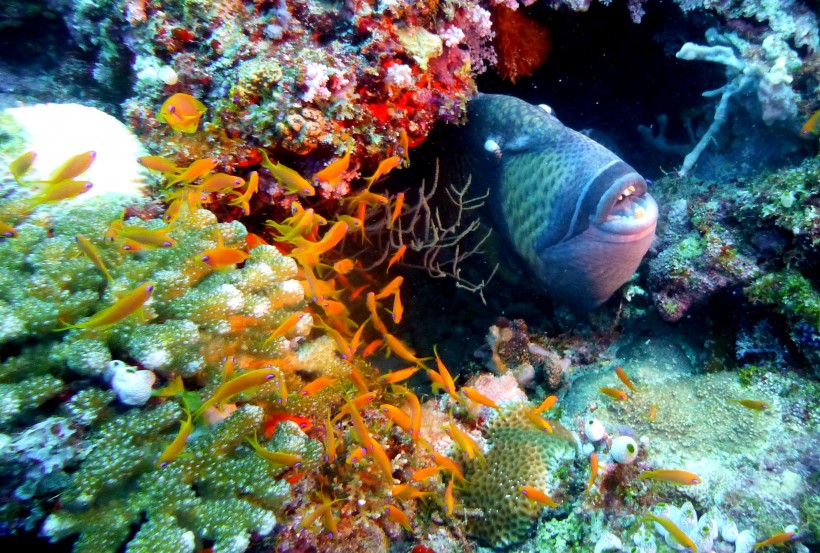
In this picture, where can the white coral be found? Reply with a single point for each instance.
(58, 131)
(133, 386)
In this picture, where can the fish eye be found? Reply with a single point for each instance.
(167, 244)
(205, 258)
(150, 288)
(172, 109)
(163, 464)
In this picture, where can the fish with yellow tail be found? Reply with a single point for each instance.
(679, 536)
(579, 216)
(538, 496)
(753, 404)
(121, 309)
(182, 112)
(777, 539)
(675, 477)
(178, 444)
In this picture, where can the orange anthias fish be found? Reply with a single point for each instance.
(396, 515)
(222, 258)
(159, 164)
(182, 112)
(812, 124)
(288, 178)
(334, 170)
(73, 167)
(593, 469)
(625, 379)
(777, 539)
(121, 309)
(676, 533)
(22, 165)
(91, 252)
(753, 404)
(475, 396)
(384, 167)
(8, 231)
(195, 170)
(537, 495)
(546, 405)
(178, 444)
(676, 477)
(62, 190)
(614, 393)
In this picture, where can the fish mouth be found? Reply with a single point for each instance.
(627, 209)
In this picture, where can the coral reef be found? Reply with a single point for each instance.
(294, 77)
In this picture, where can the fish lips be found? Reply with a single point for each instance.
(626, 211)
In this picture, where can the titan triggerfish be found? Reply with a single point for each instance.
(577, 214)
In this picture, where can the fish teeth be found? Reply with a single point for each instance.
(630, 189)
(638, 213)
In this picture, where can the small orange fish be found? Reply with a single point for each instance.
(384, 167)
(593, 470)
(398, 308)
(473, 395)
(275, 457)
(288, 178)
(653, 412)
(222, 258)
(178, 444)
(241, 383)
(22, 165)
(147, 237)
(753, 404)
(286, 326)
(425, 473)
(174, 209)
(676, 477)
(396, 256)
(244, 199)
(449, 500)
(404, 144)
(401, 350)
(676, 533)
(195, 170)
(73, 167)
(383, 461)
(121, 309)
(159, 164)
(331, 446)
(344, 266)
(538, 421)
(315, 385)
(625, 379)
(62, 190)
(537, 495)
(358, 379)
(447, 464)
(374, 315)
(398, 376)
(182, 112)
(219, 182)
(334, 170)
(254, 241)
(396, 515)
(546, 405)
(8, 231)
(614, 393)
(407, 492)
(811, 125)
(93, 254)
(359, 401)
(415, 410)
(396, 209)
(782, 537)
(399, 417)
(361, 430)
(463, 440)
(391, 288)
